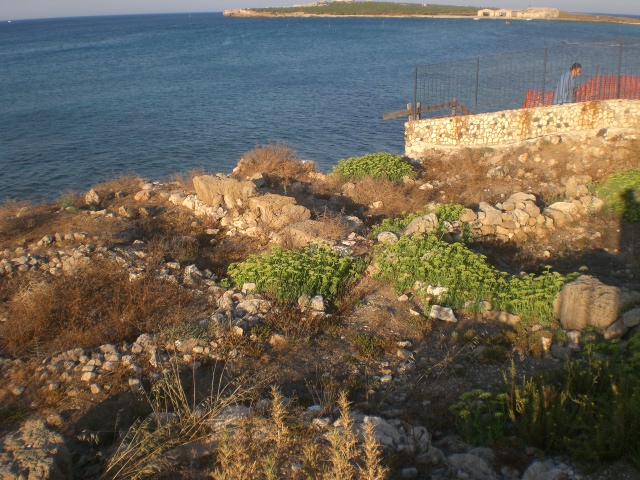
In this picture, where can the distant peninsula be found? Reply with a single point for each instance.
(343, 8)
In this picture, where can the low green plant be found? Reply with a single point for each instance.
(467, 277)
(375, 165)
(368, 346)
(465, 274)
(481, 416)
(531, 296)
(449, 212)
(621, 194)
(591, 410)
(288, 274)
(67, 200)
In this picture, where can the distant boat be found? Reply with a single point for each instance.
(476, 19)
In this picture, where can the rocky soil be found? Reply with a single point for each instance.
(66, 405)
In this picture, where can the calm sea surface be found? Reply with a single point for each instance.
(85, 99)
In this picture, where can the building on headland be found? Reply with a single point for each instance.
(531, 12)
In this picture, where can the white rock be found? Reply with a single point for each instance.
(442, 313)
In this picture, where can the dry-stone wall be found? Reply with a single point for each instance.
(512, 126)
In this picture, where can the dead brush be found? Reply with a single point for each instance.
(148, 448)
(129, 183)
(396, 199)
(95, 304)
(184, 180)
(279, 162)
(21, 218)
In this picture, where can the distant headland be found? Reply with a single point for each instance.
(343, 8)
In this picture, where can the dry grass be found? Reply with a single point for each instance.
(279, 162)
(184, 180)
(18, 219)
(128, 183)
(151, 446)
(95, 304)
(396, 199)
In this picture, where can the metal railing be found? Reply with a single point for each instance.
(610, 69)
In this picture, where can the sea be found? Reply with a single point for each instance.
(86, 99)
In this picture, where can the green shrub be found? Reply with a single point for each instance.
(368, 346)
(398, 224)
(288, 274)
(621, 194)
(375, 165)
(480, 416)
(592, 411)
(531, 296)
(468, 278)
(449, 212)
(466, 275)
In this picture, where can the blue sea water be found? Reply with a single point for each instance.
(85, 99)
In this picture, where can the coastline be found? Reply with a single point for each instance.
(250, 13)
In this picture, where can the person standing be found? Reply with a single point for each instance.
(566, 88)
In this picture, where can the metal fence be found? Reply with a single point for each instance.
(610, 69)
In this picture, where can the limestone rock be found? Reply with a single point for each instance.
(543, 471)
(588, 302)
(209, 187)
(278, 211)
(92, 198)
(388, 238)
(303, 233)
(442, 313)
(425, 223)
(476, 467)
(34, 452)
(632, 317)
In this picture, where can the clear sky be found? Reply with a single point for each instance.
(21, 9)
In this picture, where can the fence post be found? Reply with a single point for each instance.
(544, 78)
(618, 85)
(415, 86)
(475, 104)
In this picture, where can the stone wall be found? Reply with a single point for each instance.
(511, 126)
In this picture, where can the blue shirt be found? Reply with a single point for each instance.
(565, 89)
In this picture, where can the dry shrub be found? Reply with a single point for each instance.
(95, 304)
(286, 318)
(396, 199)
(333, 226)
(277, 161)
(20, 218)
(184, 180)
(127, 182)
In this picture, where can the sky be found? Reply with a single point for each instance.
(23, 9)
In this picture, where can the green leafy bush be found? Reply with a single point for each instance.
(465, 274)
(375, 165)
(621, 194)
(288, 274)
(481, 416)
(449, 212)
(468, 278)
(531, 296)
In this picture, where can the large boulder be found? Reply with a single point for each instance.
(303, 233)
(277, 211)
(209, 188)
(587, 302)
(423, 224)
(33, 452)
